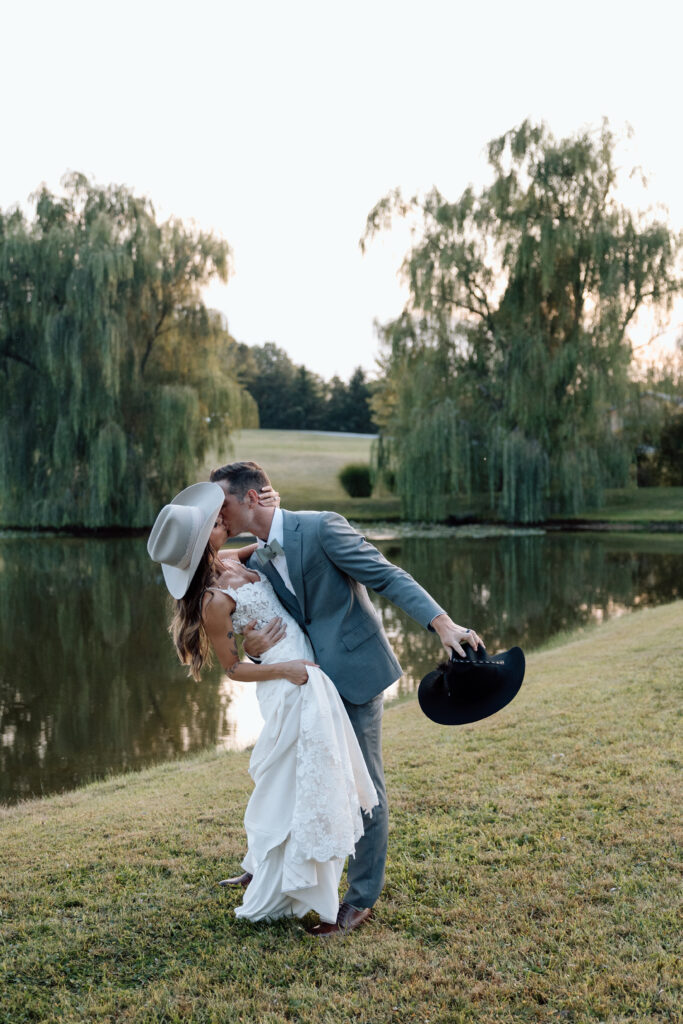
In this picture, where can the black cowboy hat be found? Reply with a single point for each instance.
(467, 689)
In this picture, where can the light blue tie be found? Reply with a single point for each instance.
(269, 551)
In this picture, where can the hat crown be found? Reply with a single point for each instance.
(175, 534)
(182, 531)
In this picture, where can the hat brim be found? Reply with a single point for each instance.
(461, 692)
(208, 498)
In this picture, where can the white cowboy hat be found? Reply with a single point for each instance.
(181, 533)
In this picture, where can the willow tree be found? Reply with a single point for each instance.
(113, 377)
(504, 370)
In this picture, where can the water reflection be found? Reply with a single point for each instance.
(524, 590)
(242, 721)
(89, 682)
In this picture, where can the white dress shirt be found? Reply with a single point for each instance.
(279, 562)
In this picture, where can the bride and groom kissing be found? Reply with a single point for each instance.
(320, 660)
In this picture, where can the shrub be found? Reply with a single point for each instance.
(648, 472)
(355, 479)
(670, 460)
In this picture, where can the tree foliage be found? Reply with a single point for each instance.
(114, 375)
(651, 421)
(671, 451)
(291, 397)
(502, 371)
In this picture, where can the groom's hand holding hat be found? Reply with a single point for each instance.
(453, 636)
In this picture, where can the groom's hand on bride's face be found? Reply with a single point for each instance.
(258, 641)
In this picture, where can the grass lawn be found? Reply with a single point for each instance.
(304, 467)
(641, 504)
(532, 871)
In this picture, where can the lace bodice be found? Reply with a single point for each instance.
(259, 601)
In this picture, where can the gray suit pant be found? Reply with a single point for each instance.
(365, 872)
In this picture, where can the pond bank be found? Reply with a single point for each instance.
(394, 526)
(367, 513)
(531, 866)
(613, 526)
(390, 530)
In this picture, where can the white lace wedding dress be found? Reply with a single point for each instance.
(310, 779)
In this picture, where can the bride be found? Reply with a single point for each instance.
(310, 780)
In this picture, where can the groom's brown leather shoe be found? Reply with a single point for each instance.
(242, 880)
(348, 919)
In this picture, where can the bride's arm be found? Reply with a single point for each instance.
(238, 553)
(217, 618)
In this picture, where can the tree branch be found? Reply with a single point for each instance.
(484, 313)
(659, 334)
(152, 338)
(8, 354)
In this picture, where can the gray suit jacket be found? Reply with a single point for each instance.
(330, 565)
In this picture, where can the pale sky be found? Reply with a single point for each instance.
(279, 125)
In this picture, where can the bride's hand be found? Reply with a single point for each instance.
(257, 641)
(269, 497)
(296, 671)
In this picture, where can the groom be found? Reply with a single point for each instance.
(319, 567)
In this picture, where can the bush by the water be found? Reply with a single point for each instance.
(661, 465)
(355, 479)
(671, 452)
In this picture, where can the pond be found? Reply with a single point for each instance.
(89, 684)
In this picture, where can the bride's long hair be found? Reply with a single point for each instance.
(187, 626)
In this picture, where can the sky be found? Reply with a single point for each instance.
(279, 125)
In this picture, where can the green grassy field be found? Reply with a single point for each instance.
(532, 872)
(304, 466)
(649, 504)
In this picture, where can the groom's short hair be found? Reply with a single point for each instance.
(241, 477)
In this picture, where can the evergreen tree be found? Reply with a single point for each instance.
(502, 371)
(111, 384)
(269, 375)
(335, 404)
(291, 397)
(305, 411)
(359, 415)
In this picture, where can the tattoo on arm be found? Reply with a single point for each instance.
(234, 652)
